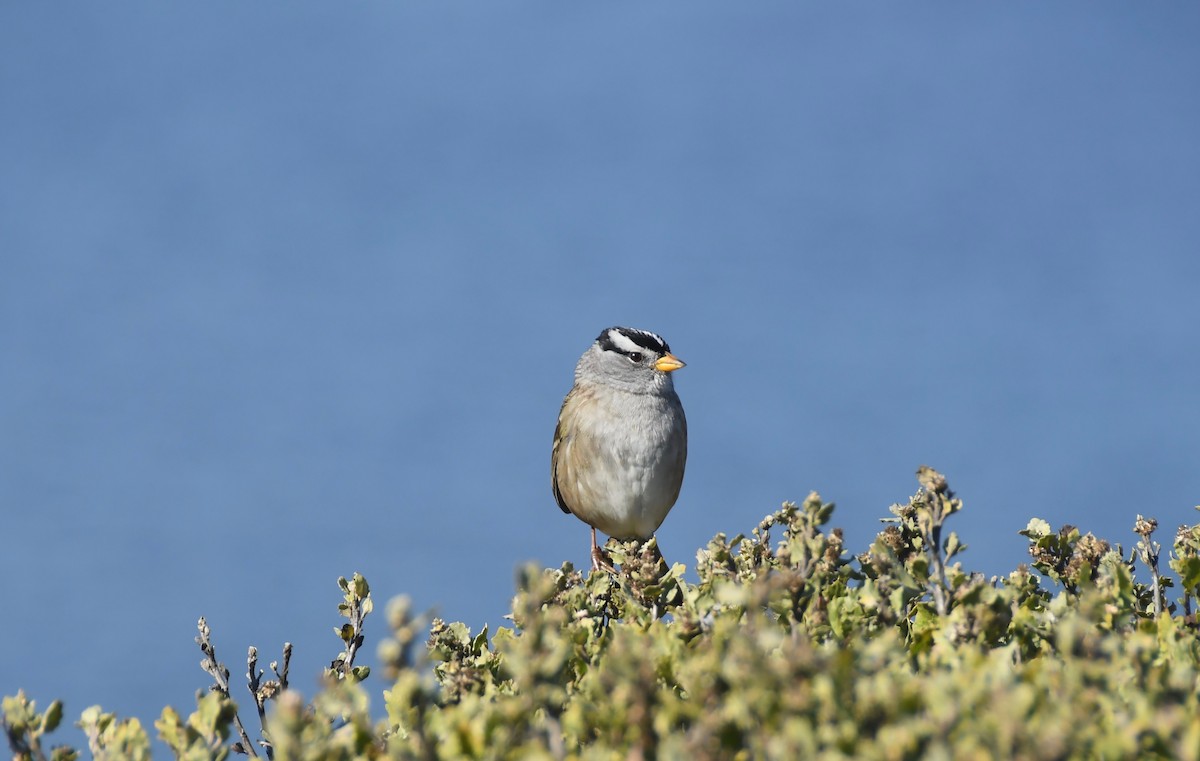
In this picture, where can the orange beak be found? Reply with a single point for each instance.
(668, 363)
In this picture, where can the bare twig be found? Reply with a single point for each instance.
(940, 503)
(220, 675)
(287, 660)
(254, 682)
(268, 690)
(1148, 550)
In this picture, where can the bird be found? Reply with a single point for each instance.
(620, 446)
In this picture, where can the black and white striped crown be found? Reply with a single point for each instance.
(632, 341)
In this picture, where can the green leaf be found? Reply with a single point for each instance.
(953, 546)
(360, 586)
(479, 642)
(1188, 569)
(52, 717)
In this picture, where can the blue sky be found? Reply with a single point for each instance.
(290, 293)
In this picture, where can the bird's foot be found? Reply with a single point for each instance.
(601, 560)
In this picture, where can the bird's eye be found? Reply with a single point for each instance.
(635, 357)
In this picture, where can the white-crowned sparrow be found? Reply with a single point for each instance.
(621, 441)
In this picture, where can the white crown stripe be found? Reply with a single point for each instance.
(623, 342)
(631, 341)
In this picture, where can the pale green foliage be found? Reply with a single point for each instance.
(206, 732)
(785, 646)
(356, 605)
(25, 727)
(1186, 563)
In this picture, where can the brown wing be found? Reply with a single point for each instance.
(561, 437)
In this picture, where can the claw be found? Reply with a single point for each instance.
(600, 559)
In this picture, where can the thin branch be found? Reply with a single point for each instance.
(220, 675)
(287, 660)
(939, 568)
(356, 606)
(939, 505)
(1149, 551)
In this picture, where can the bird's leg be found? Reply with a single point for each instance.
(599, 558)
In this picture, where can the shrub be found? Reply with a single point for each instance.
(786, 646)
